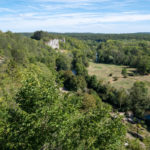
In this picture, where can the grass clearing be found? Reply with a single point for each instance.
(108, 73)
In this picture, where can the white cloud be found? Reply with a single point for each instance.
(58, 15)
(71, 1)
(7, 10)
(123, 18)
(81, 22)
(81, 17)
(69, 4)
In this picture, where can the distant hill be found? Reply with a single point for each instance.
(104, 37)
(27, 34)
(101, 36)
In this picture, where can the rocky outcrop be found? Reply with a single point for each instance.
(1, 60)
(55, 43)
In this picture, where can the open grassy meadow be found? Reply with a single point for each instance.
(112, 74)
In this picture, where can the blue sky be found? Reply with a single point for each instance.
(98, 16)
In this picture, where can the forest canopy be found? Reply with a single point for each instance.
(49, 101)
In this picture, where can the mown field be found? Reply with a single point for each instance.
(112, 74)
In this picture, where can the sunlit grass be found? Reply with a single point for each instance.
(104, 71)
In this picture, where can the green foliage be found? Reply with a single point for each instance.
(132, 53)
(124, 72)
(24, 50)
(53, 121)
(122, 99)
(45, 36)
(115, 78)
(89, 102)
(73, 43)
(136, 99)
(31, 97)
(38, 35)
(92, 82)
(63, 62)
(143, 65)
(80, 62)
(80, 69)
(139, 101)
(72, 82)
(39, 116)
(147, 143)
(104, 37)
(134, 145)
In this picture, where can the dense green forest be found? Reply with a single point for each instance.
(102, 37)
(133, 53)
(49, 101)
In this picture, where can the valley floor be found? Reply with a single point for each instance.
(112, 74)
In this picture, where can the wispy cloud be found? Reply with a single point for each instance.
(7, 10)
(74, 19)
(71, 1)
(75, 15)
